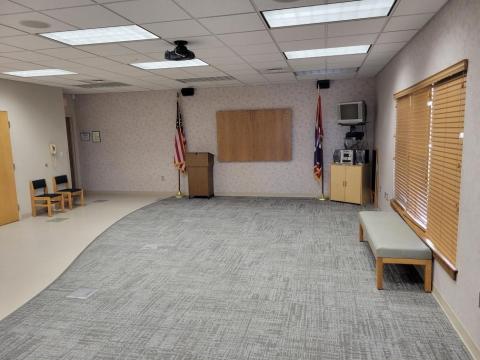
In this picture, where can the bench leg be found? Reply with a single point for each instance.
(49, 207)
(34, 208)
(360, 232)
(82, 198)
(428, 276)
(379, 272)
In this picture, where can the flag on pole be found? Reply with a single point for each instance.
(318, 153)
(180, 142)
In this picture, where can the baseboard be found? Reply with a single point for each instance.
(457, 325)
(279, 195)
(127, 192)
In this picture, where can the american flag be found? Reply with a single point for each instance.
(318, 154)
(180, 142)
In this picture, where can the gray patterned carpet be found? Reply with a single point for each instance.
(232, 278)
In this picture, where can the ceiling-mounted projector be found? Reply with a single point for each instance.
(180, 52)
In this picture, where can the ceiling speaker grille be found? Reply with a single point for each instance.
(103, 85)
(205, 79)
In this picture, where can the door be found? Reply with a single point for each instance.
(353, 184)
(337, 182)
(8, 191)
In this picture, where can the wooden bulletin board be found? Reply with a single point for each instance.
(254, 135)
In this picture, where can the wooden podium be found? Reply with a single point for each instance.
(200, 174)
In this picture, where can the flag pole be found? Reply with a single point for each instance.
(179, 194)
(322, 195)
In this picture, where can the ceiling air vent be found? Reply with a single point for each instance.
(206, 79)
(100, 85)
(275, 70)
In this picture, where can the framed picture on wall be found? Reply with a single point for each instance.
(96, 137)
(85, 135)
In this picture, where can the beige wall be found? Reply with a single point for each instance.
(452, 35)
(37, 119)
(138, 130)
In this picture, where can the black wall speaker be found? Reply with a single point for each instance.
(323, 84)
(188, 91)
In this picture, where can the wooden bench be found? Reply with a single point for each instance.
(393, 242)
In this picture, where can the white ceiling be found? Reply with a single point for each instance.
(230, 35)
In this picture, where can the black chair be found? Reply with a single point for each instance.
(62, 186)
(40, 197)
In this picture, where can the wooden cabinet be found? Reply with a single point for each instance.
(200, 174)
(349, 183)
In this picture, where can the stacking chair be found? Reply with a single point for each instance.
(61, 186)
(40, 197)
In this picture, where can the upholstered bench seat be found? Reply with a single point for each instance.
(393, 242)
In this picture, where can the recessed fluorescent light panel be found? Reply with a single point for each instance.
(351, 10)
(167, 64)
(345, 50)
(101, 35)
(41, 72)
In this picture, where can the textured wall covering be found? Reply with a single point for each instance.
(37, 119)
(452, 35)
(138, 129)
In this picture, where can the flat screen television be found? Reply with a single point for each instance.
(352, 113)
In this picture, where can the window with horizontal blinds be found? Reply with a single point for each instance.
(428, 159)
(446, 147)
(411, 154)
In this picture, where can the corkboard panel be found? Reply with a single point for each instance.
(254, 135)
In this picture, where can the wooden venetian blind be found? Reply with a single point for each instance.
(446, 139)
(428, 159)
(411, 154)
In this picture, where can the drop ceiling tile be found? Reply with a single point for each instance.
(396, 36)
(240, 67)
(408, 22)
(177, 29)
(233, 23)
(8, 31)
(240, 73)
(8, 7)
(303, 44)
(149, 11)
(146, 46)
(265, 65)
(106, 49)
(267, 48)
(246, 38)
(305, 32)
(5, 60)
(275, 4)
(65, 53)
(58, 63)
(206, 8)
(346, 61)
(250, 77)
(280, 77)
(387, 47)
(380, 57)
(308, 64)
(172, 73)
(206, 71)
(131, 58)
(31, 42)
(369, 71)
(14, 20)
(202, 42)
(366, 39)
(7, 48)
(215, 52)
(263, 57)
(411, 7)
(20, 65)
(226, 60)
(356, 27)
(53, 4)
(87, 16)
(30, 56)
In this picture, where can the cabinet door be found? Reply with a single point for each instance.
(353, 188)
(337, 181)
